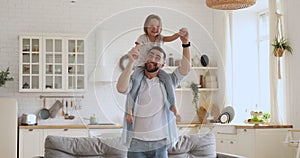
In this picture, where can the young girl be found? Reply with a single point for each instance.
(152, 37)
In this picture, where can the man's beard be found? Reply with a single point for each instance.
(151, 67)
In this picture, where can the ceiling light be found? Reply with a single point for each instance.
(229, 4)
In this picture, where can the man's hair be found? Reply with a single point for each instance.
(160, 50)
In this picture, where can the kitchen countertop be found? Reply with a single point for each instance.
(186, 125)
(99, 126)
(71, 126)
(251, 126)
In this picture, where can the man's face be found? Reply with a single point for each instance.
(154, 60)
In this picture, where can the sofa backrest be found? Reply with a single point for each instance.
(67, 147)
(197, 145)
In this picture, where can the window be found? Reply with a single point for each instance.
(250, 64)
(263, 57)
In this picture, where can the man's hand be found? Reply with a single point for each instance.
(133, 54)
(124, 78)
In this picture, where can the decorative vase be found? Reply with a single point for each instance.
(202, 114)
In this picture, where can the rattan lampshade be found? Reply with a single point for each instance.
(229, 4)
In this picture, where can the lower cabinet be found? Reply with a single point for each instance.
(105, 133)
(31, 141)
(252, 143)
(226, 145)
(187, 130)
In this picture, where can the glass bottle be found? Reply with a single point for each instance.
(171, 60)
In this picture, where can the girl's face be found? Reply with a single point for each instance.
(153, 28)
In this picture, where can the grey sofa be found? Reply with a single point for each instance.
(188, 146)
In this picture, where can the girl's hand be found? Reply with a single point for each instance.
(178, 117)
(184, 35)
(182, 32)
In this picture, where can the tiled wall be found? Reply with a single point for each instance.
(59, 16)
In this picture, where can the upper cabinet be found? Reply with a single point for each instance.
(75, 64)
(30, 63)
(51, 64)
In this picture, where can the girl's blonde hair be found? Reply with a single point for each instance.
(149, 17)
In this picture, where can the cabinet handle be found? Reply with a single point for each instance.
(245, 130)
(231, 142)
(66, 129)
(221, 141)
(30, 130)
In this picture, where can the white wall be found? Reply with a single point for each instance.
(292, 61)
(86, 17)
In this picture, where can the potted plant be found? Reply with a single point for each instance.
(4, 76)
(200, 110)
(280, 45)
(195, 91)
(266, 117)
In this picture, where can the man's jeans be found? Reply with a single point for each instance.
(147, 149)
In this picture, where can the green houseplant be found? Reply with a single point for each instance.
(195, 91)
(201, 111)
(280, 45)
(4, 76)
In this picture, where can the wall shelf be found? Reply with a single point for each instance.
(200, 89)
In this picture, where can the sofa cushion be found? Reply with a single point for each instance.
(196, 145)
(66, 147)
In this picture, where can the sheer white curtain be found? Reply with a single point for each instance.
(228, 52)
(277, 75)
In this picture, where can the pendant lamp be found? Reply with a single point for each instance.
(229, 4)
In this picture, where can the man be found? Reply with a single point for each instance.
(149, 122)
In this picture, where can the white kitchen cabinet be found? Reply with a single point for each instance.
(67, 132)
(246, 142)
(261, 143)
(30, 63)
(226, 145)
(31, 143)
(251, 142)
(270, 143)
(226, 138)
(105, 133)
(52, 63)
(187, 130)
(75, 64)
